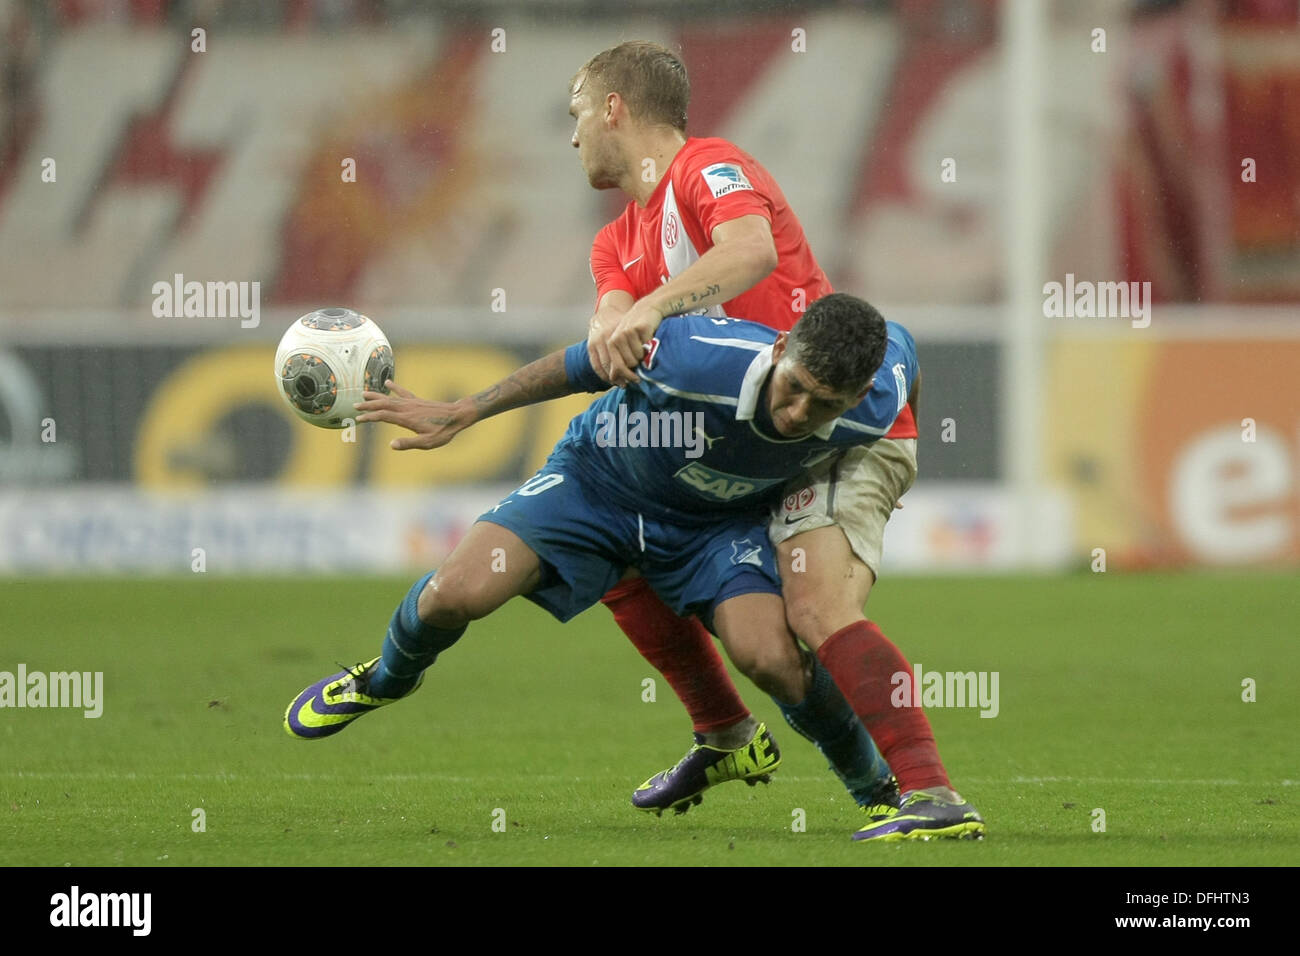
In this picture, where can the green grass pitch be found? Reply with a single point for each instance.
(1118, 692)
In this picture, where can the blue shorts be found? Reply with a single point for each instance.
(586, 542)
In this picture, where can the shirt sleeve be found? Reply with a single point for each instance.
(719, 187)
(904, 346)
(578, 370)
(605, 269)
(888, 394)
(684, 362)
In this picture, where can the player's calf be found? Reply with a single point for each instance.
(430, 619)
(825, 718)
(410, 646)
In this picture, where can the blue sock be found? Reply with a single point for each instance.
(410, 646)
(826, 718)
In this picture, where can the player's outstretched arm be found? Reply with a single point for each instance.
(437, 423)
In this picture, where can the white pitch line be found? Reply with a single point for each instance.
(1138, 781)
(1142, 781)
(236, 777)
(450, 778)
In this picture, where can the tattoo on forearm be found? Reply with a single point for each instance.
(691, 299)
(535, 382)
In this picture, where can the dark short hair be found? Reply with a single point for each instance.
(840, 341)
(650, 78)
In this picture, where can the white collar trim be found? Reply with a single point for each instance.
(751, 387)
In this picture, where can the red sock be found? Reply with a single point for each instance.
(862, 661)
(682, 650)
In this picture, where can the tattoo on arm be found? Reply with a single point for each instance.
(691, 298)
(538, 381)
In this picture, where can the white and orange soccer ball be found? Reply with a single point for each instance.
(326, 360)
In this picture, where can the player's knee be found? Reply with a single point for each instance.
(774, 667)
(453, 600)
(811, 617)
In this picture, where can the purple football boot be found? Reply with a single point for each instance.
(683, 786)
(333, 702)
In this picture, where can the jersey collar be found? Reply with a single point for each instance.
(657, 194)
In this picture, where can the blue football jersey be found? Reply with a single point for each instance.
(684, 440)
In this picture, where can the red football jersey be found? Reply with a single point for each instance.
(712, 181)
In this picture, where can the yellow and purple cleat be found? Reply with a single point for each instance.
(884, 800)
(333, 702)
(939, 813)
(682, 787)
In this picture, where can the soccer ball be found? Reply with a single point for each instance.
(325, 361)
